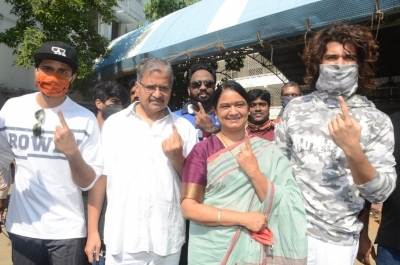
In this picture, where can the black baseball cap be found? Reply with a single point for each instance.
(58, 51)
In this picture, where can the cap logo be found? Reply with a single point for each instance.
(59, 51)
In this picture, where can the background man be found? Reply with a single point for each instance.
(109, 97)
(144, 222)
(289, 91)
(201, 81)
(259, 123)
(5, 182)
(340, 146)
(134, 88)
(201, 85)
(388, 238)
(50, 138)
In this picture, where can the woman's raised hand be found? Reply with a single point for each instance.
(247, 160)
(255, 221)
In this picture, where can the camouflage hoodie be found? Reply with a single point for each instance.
(331, 198)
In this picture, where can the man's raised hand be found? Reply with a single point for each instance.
(203, 120)
(64, 139)
(344, 130)
(173, 145)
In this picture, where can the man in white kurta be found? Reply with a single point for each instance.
(144, 149)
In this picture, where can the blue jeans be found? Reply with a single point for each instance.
(32, 251)
(387, 256)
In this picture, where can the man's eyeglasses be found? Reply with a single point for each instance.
(291, 95)
(207, 84)
(37, 128)
(150, 89)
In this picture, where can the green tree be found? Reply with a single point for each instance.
(161, 8)
(71, 21)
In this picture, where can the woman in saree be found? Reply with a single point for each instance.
(236, 190)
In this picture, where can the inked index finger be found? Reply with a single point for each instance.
(344, 108)
(175, 134)
(62, 120)
(248, 143)
(201, 109)
(174, 129)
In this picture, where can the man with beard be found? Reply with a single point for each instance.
(340, 146)
(201, 79)
(201, 85)
(259, 123)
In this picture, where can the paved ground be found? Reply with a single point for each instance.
(5, 246)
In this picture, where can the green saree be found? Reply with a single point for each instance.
(227, 187)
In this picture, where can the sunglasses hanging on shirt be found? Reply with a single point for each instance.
(37, 128)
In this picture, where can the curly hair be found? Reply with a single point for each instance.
(363, 41)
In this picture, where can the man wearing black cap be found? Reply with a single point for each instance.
(55, 144)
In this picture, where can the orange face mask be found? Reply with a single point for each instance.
(52, 84)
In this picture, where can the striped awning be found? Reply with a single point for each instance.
(213, 26)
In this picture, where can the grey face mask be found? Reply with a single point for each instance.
(110, 110)
(337, 80)
(285, 101)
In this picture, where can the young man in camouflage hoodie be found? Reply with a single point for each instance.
(339, 144)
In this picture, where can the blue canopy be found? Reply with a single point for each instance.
(213, 26)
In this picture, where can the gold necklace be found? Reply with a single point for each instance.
(223, 140)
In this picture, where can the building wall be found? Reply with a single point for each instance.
(129, 15)
(13, 79)
(254, 75)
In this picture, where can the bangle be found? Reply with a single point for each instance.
(219, 217)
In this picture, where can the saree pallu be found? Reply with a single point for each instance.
(228, 187)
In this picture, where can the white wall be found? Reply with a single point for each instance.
(129, 14)
(12, 76)
(259, 80)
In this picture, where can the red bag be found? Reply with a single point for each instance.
(265, 236)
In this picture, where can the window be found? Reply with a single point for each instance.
(114, 29)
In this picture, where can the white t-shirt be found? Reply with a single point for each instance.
(45, 202)
(143, 189)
